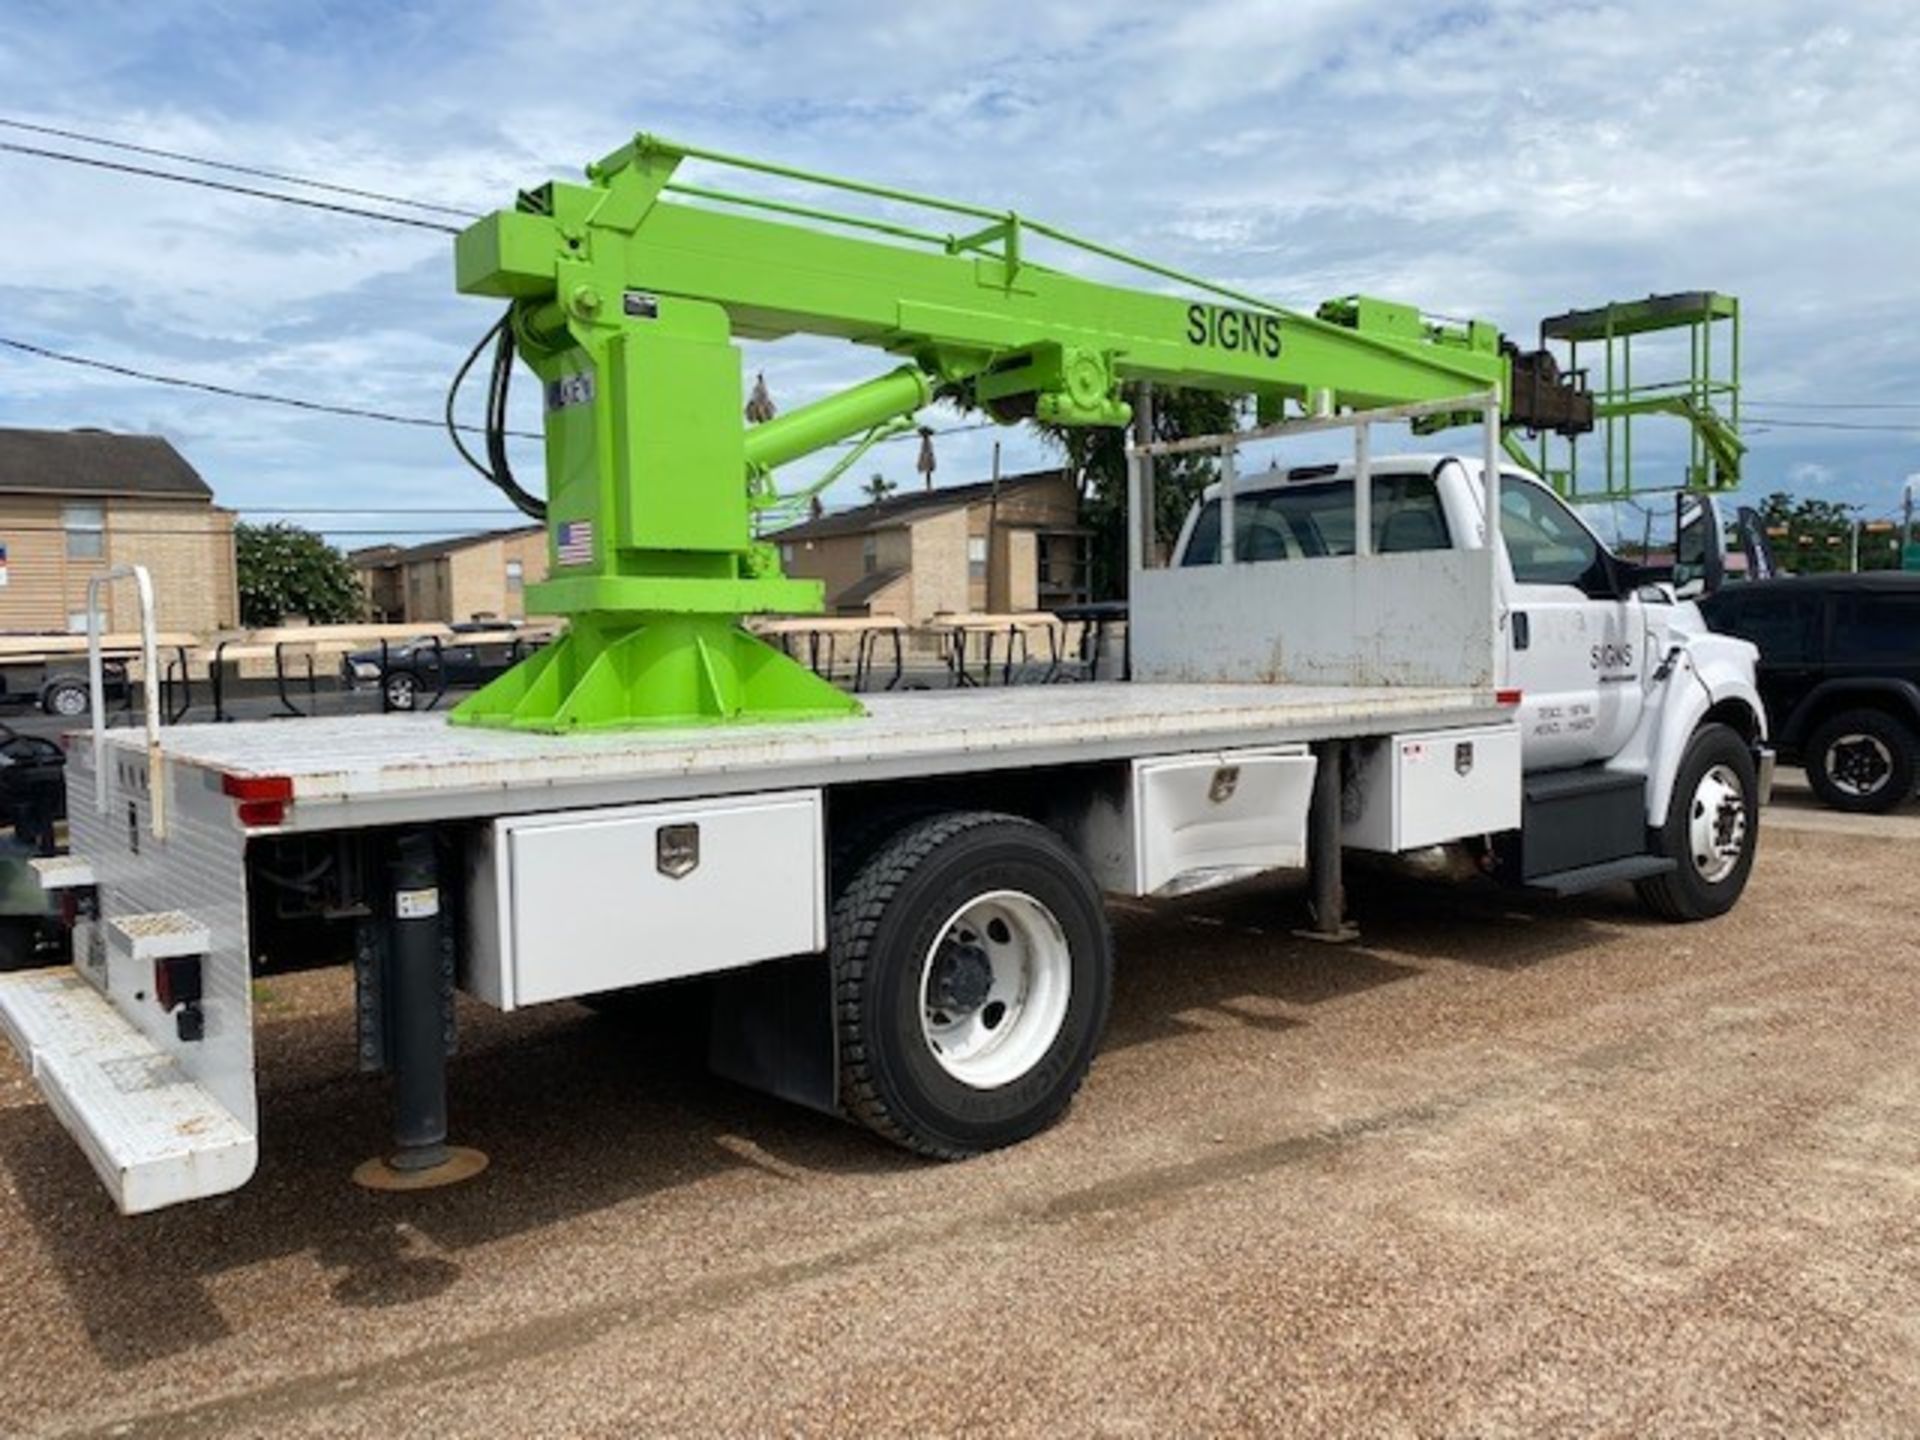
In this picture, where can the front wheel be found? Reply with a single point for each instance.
(402, 690)
(972, 975)
(1712, 825)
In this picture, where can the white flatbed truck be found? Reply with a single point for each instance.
(901, 914)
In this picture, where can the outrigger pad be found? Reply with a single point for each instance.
(633, 671)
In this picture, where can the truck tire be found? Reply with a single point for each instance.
(1861, 761)
(972, 972)
(1711, 828)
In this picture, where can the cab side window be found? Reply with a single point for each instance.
(1877, 628)
(1545, 544)
(1305, 522)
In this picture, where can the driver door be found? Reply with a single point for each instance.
(1575, 652)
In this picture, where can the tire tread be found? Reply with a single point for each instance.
(1897, 733)
(1667, 895)
(857, 916)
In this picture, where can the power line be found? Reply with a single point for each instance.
(355, 412)
(367, 510)
(289, 178)
(282, 176)
(1771, 422)
(191, 533)
(331, 206)
(1830, 404)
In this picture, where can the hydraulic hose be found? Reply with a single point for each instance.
(497, 472)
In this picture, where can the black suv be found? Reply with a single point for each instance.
(1840, 675)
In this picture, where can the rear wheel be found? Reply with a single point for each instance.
(972, 975)
(65, 698)
(1711, 828)
(1861, 761)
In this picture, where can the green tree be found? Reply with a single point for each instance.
(285, 570)
(1812, 536)
(878, 487)
(1098, 455)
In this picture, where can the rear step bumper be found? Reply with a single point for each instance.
(155, 1136)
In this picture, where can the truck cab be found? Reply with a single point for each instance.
(1614, 675)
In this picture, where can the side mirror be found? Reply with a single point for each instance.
(1630, 578)
(1759, 549)
(1699, 547)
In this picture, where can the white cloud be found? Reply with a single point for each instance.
(1473, 159)
(1809, 475)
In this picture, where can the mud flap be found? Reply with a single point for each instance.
(772, 1029)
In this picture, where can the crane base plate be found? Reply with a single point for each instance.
(622, 671)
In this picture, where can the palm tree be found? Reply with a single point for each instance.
(878, 487)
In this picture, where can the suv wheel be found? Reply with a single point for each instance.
(402, 690)
(1862, 761)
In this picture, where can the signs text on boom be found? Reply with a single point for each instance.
(1226, 329)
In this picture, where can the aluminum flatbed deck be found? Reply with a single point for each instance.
(375, 769)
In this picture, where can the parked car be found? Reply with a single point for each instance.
(418, 669)
(60, 689)
(1840, 674)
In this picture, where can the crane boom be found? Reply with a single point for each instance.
(625, 296)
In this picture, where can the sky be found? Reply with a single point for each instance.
(1501, 160)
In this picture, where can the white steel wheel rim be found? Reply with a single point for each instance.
(1859, 765)
(994, 988)
(399, 692)
(69, 700)
(1717, 824)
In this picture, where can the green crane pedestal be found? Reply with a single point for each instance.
(627, 671)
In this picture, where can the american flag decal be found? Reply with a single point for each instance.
(573, 543)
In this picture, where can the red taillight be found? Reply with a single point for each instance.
(176, 980)
(263, 798)
(1506, 697)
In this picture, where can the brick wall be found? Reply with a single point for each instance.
(940, 564)
(838, 561)
(187, 545)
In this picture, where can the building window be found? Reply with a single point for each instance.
(516, 577)
(976, 557)
(869, 554)
(786, 553)
(76, 622)
(86, 527)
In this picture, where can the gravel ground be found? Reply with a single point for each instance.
(1501, 1167)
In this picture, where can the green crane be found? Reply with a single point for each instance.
(625, 297)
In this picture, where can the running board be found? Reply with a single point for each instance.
(1607, 872)
(155, 1136)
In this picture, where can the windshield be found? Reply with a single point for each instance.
(1295, 522)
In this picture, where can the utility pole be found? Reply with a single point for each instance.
(993, 527)
(1909, 547)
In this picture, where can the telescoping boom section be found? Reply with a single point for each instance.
(626, 294)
